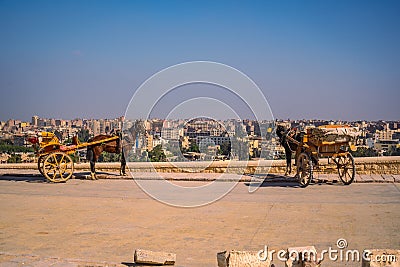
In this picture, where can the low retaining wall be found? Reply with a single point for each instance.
(375, 165)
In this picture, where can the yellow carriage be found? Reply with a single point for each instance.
(331, 141)
(54, 159)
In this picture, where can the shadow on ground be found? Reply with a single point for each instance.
(30, 178)
(38, 178)
(277, 180)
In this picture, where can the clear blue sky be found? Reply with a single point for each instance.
(312, 59)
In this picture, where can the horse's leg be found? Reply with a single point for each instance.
(298, 151)
(288, 154)
(93, 170)
(123, 164)
(92, 159)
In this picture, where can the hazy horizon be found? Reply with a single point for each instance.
(188, 119)
(333, 60)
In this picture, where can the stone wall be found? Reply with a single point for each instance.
(375, 165)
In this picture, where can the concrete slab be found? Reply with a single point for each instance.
(357, 178)
(388, 178)
(366, 178)
(396, 178)
(377, 178)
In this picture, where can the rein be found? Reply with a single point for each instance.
(288, 138)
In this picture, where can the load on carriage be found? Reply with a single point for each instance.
(331, 141)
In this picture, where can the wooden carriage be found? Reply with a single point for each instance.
(330, 141)
(54, 159)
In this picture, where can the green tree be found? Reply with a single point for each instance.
(225, 148)
(194, 148)
(15, 158)
(10, 149)
(109, 157)
(364, 152)
(83, 135)
(6, 142)
(157, 154)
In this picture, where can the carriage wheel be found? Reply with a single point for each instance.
(58, 167)
(304, 169)
(40, 164)
(346, 168)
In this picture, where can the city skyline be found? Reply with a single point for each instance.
(331, 60)
(29, 120)
(197, 139)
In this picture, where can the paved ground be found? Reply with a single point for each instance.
(33, 174)
(79, 222)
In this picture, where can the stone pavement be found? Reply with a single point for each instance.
(13, 260)
(368, 165)
(102, 222)
(30, 174)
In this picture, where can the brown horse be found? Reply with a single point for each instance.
(94, 151)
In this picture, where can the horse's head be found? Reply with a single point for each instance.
(280, 131)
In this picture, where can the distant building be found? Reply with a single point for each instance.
(215, 140)
(385, 134)
(370, 142)
(35, 120)
(60, 123)
(41, 122)
(149, 142)
(95, 127)
(77, 123)
(102, 126)
(170, 133)
(386, 145)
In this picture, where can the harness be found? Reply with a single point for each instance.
(283, 140)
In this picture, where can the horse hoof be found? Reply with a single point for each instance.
(93, 176)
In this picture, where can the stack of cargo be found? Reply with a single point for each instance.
(332, 133)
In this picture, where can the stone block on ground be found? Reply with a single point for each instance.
(143, 256)
(382, 258)
(302, 257)
(241, 259)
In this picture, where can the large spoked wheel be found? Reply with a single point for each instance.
(40, 164)
(346, 168)
(58, 167)
(304, 169)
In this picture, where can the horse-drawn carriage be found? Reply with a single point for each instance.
(331, 141)
(54, 159)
